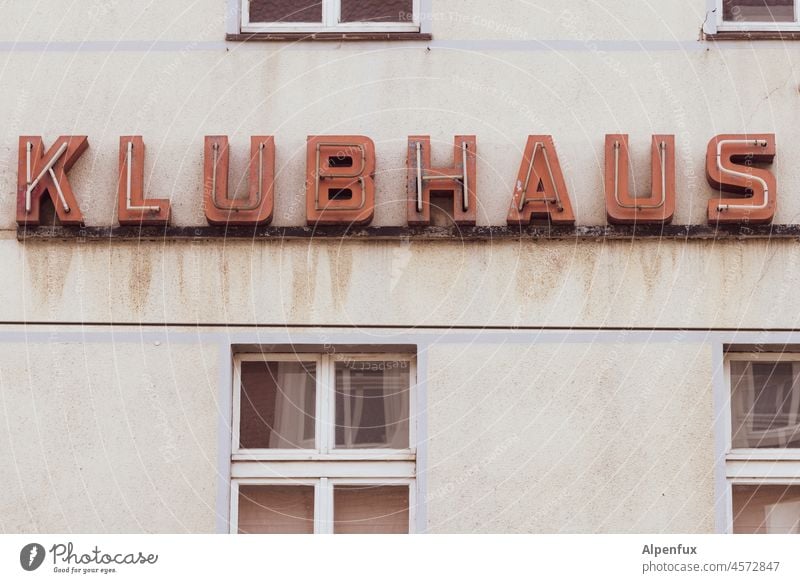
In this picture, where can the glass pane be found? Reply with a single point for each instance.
(278, 404)
(276, 509)
(370, 509)
(758, 10)
(766, 509)
(765, 403)
(285, 11)
(372, 404)
(377, 11)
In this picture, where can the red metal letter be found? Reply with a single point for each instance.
(540, 191)
(39, 173)
(729, 168)
(458, 180)
(257, 208)
(621, 207)
(340, 185)
(133, 208)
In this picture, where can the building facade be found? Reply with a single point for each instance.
(410, 374)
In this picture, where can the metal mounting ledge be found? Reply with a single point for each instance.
(390, 233)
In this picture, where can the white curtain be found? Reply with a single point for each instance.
(783, 517)
(393, 384)
(793, 422)
(291, 409)
(395, 406)
(370, 509)
(779, 424)
(742, 403)
(353, 409)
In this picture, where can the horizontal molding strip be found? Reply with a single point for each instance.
(407, 40)
(582, 233)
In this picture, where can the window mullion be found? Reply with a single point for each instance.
(323, 398)
(728, 507)
(331, 12)
(245, 16)
(412, 507)
(233, 522)
(727, 421)
(318, 513)
(325, 508)
(331, 410)
(236, 414)
(412, 405)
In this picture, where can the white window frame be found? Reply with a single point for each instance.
(331, 11)
(324, 466)
(729, 26)
(754, 466)
(234, 510)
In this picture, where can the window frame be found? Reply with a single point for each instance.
(325, 466)
(753, 466)
(268, 453)
(331, 10)
(234, 508)
(730, 26)
(323, 497)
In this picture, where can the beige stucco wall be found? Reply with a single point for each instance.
(603, 434)
(566, 437)
(560, 437)
(112, 436)
(644, 283)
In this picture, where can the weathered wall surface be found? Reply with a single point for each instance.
(550, 443)
(604, 434)
(570, 438)
(640, 283)
(113, 436)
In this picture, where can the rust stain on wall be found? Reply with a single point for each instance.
(224, 273)
(47, 270)
(140, 273)
(540, 268)
(304, 277)
(341, 274)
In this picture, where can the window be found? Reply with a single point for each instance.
(762, 464)
(323, 443)
(758, 15)
(331, 16)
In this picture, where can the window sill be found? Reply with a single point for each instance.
(348, 456)
(777, 454)
(327, 36)
(740, 35)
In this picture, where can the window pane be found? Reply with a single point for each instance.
(758, 10)
(372, 404)
(285, 11)
(377, 11)
(276, 509)
(278, 404)
(766, 509)
(370, 509)
(765, 402)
